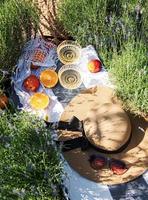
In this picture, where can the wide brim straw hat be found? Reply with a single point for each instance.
(128, 131)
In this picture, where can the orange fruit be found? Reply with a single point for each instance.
(49, 78)
(3, 101)
(31, 83)
(39, 101)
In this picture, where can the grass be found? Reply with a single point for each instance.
(19, 19)
(130, 72)
(29, 165)
(115, 28)
(103, 23)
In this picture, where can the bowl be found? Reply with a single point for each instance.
(69, 52)
(70, 76)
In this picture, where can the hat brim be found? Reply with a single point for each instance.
(135, 155)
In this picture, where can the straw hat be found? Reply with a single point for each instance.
(112, 133)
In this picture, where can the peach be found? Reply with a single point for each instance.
(94, 66)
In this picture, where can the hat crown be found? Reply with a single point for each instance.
(107, 127)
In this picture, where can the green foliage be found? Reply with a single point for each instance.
(18, 19)
(130, 70)
(30, 168)
(103, 23)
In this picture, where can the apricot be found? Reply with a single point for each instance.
(94, 66)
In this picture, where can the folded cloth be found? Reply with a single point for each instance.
(40, 52)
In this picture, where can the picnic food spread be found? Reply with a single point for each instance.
(69, 75)
(99, 139)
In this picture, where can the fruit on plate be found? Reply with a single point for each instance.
(34, 66)
(31, 83)
(39, 101)
(49, 78)
(94, 66)
(3, 101)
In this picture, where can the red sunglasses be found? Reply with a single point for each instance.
(98, 162)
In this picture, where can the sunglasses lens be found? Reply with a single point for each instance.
(97, 162)
(118, 167)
